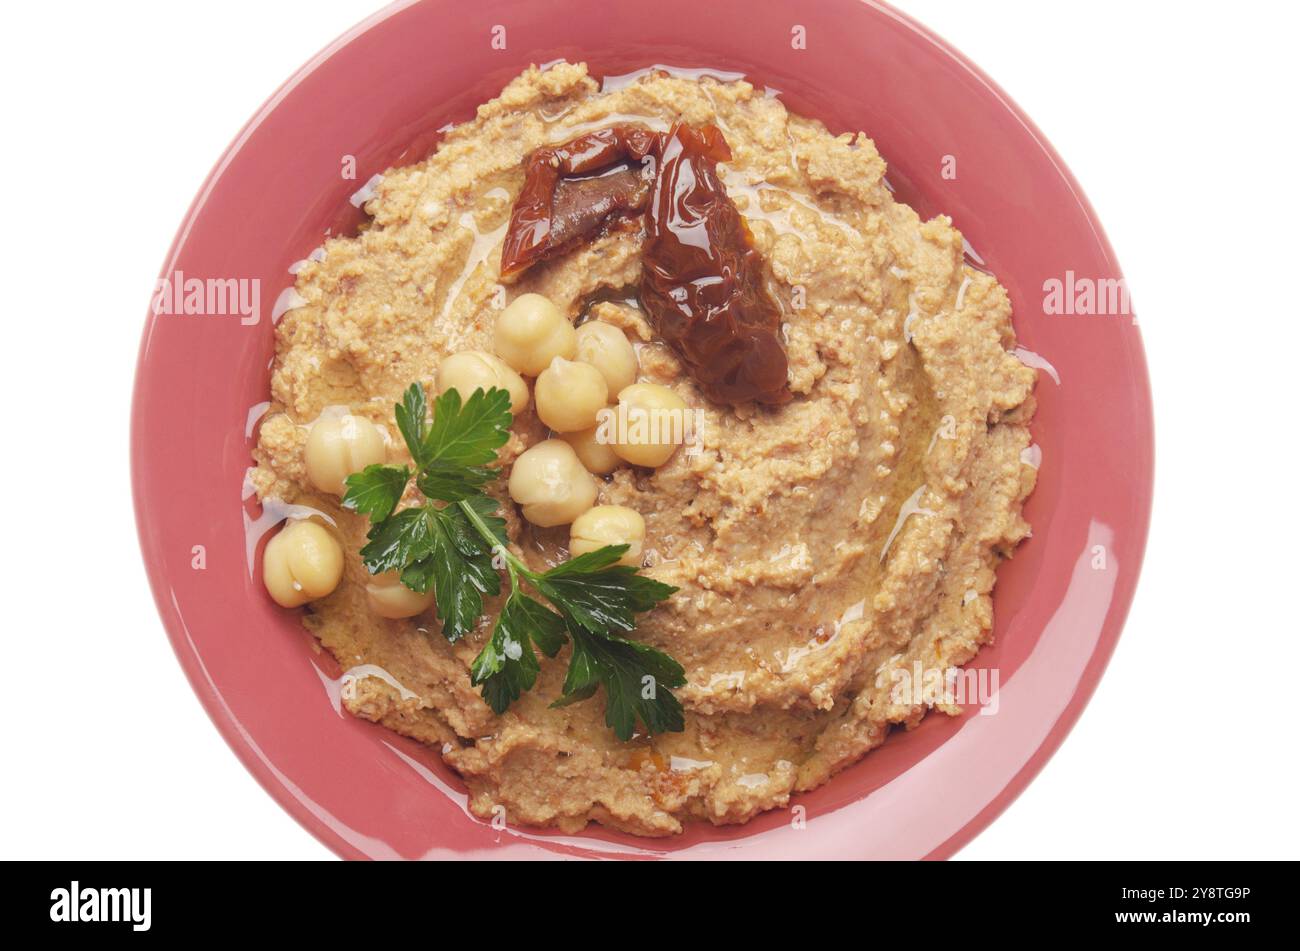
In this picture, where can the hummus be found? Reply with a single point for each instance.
(817, 545)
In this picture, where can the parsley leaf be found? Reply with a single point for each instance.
(599, 597)
(507, 666)
(398, 541)
(436, 547)
(451, 543)
(468, 435)
(455, 452)
(376, 490)
(599, 594)
(450, 483)
(461, 567)
(637, 681)
(412, 421)
(485, 509)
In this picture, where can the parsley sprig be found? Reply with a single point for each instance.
(453, 540)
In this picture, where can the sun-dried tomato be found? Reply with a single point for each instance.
(702, 281)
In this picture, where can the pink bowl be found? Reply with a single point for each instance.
(380, 93)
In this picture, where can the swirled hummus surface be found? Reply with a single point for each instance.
(817, 545)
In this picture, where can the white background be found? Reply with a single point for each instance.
(1179, 120)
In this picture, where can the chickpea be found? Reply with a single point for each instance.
(472, 370)
(301, 563)
(607, 349)
(598, 457)
(389, 598)
(338, 446)
(551, 485)
(531, 332)
(569, 395)
(653, 415)
(609, 525)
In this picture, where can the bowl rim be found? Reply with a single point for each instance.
(229, 728)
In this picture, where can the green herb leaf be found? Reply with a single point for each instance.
(376, 490)
(507, 665)
(582, 679)
(600, 595)
(439, 548)
(449, 544)
(485, 508)
(462, 573)
(546, 628)
(638, 682)
(413, 421)
(418, 575)
(452, 483)
(467, 436)
(398, 541)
